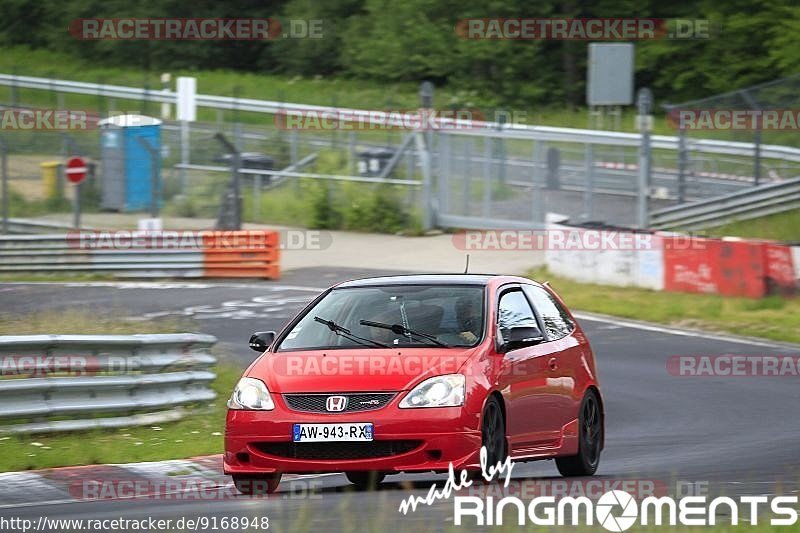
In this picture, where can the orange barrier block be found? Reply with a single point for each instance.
(241, 254)
(252, 239)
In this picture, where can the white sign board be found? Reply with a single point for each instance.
(187, 98)
(609, 79)
(150, 224)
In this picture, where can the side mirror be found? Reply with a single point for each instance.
(520, 337)
(260, 340)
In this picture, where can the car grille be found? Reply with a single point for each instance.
(315, 403)
(337, 450)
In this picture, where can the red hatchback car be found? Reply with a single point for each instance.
(411, 373)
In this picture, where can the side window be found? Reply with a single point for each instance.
(557, 323)
(514, 310)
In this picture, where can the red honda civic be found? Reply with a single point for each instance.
(412, 373)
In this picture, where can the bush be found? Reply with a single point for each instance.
(324, 214)
(334, 205)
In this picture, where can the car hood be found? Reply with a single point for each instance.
(355, 370)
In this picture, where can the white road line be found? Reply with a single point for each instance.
(619, 322)
(266, 286)
(646, 326)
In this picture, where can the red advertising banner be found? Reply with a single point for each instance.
(779, 268)
(730, 268)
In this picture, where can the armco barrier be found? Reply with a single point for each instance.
(140, 254)
(100, 381)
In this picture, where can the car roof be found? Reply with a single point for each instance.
(423, 279)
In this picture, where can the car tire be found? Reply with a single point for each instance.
(493, 435)
(590, 440)
(253, 485)
(365, 480)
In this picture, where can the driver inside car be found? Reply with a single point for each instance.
(469, 317)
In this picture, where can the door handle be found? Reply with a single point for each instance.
(552, 363)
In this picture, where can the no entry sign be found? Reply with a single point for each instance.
(76, 169)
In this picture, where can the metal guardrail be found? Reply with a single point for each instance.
(464, 127)
(743, 205)
(175, 254)
(91, 381)
(64, 253)
(21, 226)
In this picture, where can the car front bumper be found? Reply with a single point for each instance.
(407, 440)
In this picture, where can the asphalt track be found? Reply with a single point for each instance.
(737, 435)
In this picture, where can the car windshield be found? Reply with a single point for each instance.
(438, 315)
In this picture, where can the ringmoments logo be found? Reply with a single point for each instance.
(618, 510)
(615, 510)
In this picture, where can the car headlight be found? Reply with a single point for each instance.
(440, 391)
(251, 393)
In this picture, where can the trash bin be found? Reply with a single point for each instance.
(251, 160)
(51, 180)
(373, 161)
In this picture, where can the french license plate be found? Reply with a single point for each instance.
(332, 432)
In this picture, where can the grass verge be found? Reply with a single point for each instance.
(199, 433)
(780, 227)
(771, 318)
(316, 90)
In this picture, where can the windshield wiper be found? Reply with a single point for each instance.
(402, 330)
(344, 332)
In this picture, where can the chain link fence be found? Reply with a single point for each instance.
(712, 117)
(393, 178)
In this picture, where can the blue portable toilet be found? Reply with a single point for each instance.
(130, 177)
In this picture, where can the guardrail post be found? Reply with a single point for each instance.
(467, 173)
(4, 177)
(501, 147)
(757, 155)
(184, 153)
(444, 173)
(588, 194)
(487, 177)
(538, 215)
(683, 165)
(644, 101)
(230, 216)
(428, 214)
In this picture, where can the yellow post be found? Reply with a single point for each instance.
(53, 188)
